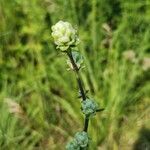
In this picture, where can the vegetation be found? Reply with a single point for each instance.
(39, 108)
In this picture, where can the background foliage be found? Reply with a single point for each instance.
(39, 108)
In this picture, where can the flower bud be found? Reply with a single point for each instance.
(73, 145)
(89, 107)
(64, 35)
(82, 139)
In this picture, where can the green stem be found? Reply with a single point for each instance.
(86, 124)
(82, 91)
(76, 69)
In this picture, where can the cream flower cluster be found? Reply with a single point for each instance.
(64, 35)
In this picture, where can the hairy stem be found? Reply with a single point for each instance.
(82, 91)
(76, 69)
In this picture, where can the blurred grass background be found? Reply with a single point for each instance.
(39, 108)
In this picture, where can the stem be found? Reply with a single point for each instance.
(86, 123)
(81, 88)
(82, 92)
(76, 69)
(83, 95)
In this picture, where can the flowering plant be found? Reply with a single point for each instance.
(65, 37)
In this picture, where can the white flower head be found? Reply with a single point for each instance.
(64, 35)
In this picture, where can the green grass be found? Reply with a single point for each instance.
(33, 73)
